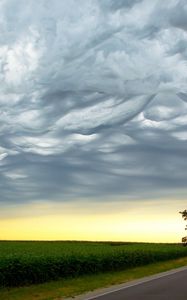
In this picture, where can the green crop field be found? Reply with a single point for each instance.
(23, 263)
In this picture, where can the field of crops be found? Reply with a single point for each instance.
(23, 263)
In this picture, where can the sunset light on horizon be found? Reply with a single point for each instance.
(133, 222)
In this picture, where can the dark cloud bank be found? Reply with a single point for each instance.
(93, 99)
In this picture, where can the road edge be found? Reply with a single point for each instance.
(114, 288)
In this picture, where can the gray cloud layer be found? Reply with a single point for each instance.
(93, 99)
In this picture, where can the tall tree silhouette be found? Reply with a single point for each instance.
(184, 215)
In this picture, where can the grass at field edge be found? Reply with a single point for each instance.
(64, 288)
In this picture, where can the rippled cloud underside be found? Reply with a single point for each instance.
(93, 99)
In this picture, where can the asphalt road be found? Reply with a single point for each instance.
(170, 287)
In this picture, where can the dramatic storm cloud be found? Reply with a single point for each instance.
(93, 99)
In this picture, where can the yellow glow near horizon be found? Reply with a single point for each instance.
(117, 222)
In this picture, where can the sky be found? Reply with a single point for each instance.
(93, 119)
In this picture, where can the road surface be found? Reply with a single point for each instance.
(170, 285)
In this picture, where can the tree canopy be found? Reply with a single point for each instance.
(184, 215)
